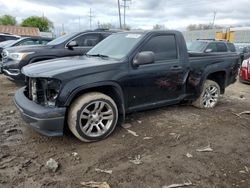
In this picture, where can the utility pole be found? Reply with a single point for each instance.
(79, 23)
(98, 24)
(124, 12)
(119, 11)
(214, 19)
(62, 33)
(124, 16)
(90, 18)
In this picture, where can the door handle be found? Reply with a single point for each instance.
(176, 67)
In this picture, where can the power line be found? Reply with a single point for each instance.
(190, 3)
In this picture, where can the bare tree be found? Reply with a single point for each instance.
(192, 27)
(158, 27)
(106, 26)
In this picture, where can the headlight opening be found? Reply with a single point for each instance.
(44, 91)
(52, 91)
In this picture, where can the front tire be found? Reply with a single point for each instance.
(209, 96)
(92, 116)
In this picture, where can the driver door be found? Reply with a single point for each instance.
(160, 82)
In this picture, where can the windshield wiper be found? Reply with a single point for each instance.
(97, 55)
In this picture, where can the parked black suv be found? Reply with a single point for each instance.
(24, 41)
(211, 46)
(243, 49)
(126, 72)
(74, 44)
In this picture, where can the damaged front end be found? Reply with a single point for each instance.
(37, 104)
(43, 91)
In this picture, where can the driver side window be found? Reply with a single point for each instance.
(87, 40)
(213, 47)
(29, 42)
(164, 47)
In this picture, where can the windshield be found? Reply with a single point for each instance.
(116, 46)
(7, 43)
(61, 39)
(14, 42)
(197, 46)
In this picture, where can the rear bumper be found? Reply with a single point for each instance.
(45, 120)
(244, 81)
(244, 75)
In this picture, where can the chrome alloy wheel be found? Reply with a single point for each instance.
(210, 97)
(96, 118)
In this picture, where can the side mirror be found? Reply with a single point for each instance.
(143, 58)
(72, 44)
(208, 50)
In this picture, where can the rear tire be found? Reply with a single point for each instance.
(92, 117)
(209, 96)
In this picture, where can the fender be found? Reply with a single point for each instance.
(207, 73)
(115, 85)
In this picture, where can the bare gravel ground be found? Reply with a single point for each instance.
(165, 148)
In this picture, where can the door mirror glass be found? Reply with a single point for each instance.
(143, 58)
(208, 50)
(72, 44)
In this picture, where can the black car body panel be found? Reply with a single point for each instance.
(61, 68)
(138, 87)
(36, 53)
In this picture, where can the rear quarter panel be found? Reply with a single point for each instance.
(202, 65)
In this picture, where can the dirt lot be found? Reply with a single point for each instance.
(175, 131)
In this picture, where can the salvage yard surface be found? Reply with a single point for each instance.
(172, 145)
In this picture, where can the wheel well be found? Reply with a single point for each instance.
(219, 78)
(111, 91)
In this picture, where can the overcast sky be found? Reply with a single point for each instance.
(174, 14)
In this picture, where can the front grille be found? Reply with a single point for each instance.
(4, 55)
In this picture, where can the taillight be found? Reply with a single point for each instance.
(245, 63)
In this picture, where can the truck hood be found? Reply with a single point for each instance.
(28, 48)
(68, 67)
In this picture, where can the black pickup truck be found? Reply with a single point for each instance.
(15, 58)
(126, 72)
